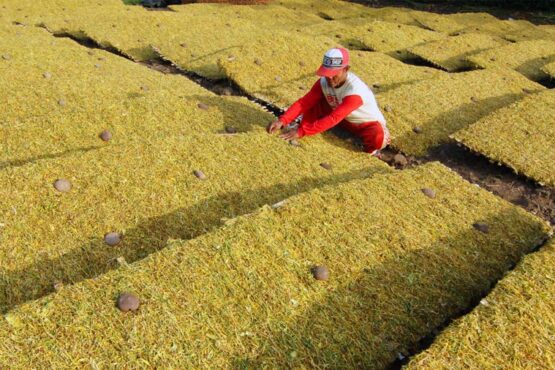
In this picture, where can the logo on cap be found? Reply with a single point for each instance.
(334, 61)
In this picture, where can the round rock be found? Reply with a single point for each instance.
(388, 108)
(61, 102)
(47, 75)
(326, 165)
(62, 185)
(320, 272)
(202, 106)
(481, 226)
(475, 99)
(278, 78)
(302, 64)
(294, 142)
(258, 62)
(417, 130)
(128, 302)
(6, 56)
(106, 135)
(400, 159)
(227, 91)
(230, 130)
(199, 174)
(429, 192)
(112, 239)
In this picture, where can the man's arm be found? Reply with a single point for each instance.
(349, 104)
(303, 104)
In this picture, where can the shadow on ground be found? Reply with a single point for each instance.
(240, 114)
(95, 257)
(22, 162)
(436, 131)
(388, 308)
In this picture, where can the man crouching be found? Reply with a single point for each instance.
(341, 98)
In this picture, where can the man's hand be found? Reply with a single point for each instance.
(290, 135)
(274, 126)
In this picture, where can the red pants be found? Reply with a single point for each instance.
(372, 133)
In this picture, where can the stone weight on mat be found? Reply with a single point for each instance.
(320, 272)
(62, 185)
(106, 135)
(128, 302)
(112, 239)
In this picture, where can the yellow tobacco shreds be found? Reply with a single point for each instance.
(527, 57)
(522, 136)
(549, 69)
(261, 71)
(512, 327)
(394, 38)
(160, 136)
(450, 23)
(512, 30)
(326, 9)
(451, 53)
(447, 104)
(221, 223)
(400, 263)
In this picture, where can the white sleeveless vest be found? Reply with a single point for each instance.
(367, 112)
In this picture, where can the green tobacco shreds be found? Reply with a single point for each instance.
(447, 104)
(260, 70)
(401, 264)
(527, 57)
(522, 136)
(513, 325)
(451, 53)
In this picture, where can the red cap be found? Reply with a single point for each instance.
(334, 61)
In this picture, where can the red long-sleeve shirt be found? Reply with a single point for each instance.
(313, 97)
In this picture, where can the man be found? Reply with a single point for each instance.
(338, 97)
